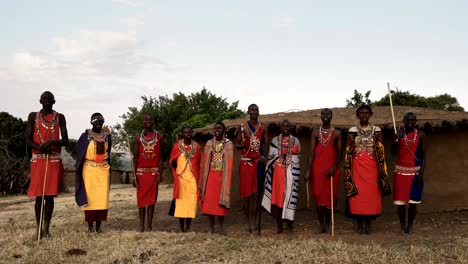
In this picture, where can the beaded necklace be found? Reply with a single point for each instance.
(254, 140)
(98, 138)
(46, 124)
(366, 134)
(323, 131)
(148, 145)
(409, 142)
(217, 149)
(188, 151)
(285, 156)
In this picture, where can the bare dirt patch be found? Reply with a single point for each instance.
(438, 237)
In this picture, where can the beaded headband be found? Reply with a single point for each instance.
(97, 119)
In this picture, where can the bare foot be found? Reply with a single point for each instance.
(47, 235)
(409, 230)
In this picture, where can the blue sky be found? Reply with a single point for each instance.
(103, 55)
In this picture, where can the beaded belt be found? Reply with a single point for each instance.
(96, 164)
(406, 170)
(147, 169)
(248, 159)
(54, 156)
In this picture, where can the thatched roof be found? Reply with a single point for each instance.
(346, 117)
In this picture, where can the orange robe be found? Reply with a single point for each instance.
(216, 177)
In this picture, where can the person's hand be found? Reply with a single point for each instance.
(419, 176)
(134, 183)
(398, 135)
(241, 145)
(307, 176)
(331, 171)
(46, 148)
(160, 177)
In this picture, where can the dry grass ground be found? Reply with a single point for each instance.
(438, 238)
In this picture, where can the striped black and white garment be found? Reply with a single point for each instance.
(291, 181)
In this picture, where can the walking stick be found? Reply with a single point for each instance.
(332, 214)
(260, 198)
(391, 107)
(134, 174)
(131, 162)
(307, 191)
(42, 200)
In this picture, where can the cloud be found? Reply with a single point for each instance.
(86, 53)
(133, 22)
(283, 21)
(126, 2)
(91, 70)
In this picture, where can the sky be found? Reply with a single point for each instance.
(103, 55)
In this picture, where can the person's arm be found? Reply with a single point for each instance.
(63, 132)
(134, 160)
(396, 140)
(422, 140)
(160, 170)
(29, 133)
(239, 143)
(338, 144)
(266, 143)
(109, 148)
(313, 142)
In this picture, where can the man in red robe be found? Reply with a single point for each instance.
(43, 133)
(147, 163)
(324, 160)
(251, 134)
(409, 169)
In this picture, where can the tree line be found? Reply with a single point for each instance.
(171, 113)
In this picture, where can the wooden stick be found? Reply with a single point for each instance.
(42, 200)
(131, 162)
(332, 214)
(391, 107)
(308, 197)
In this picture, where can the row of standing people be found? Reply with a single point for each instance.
(46, 133)
(365, 174)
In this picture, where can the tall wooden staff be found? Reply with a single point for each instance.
(42, 200)
(332, 214)
(307, 191)
(131, 161)
(391, 106)
(133, 170)
(259, 200)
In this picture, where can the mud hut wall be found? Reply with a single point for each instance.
(445, 177)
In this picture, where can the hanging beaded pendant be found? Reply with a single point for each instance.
(322, 132)
(217, 150)
(50, 125)
(148, 145)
